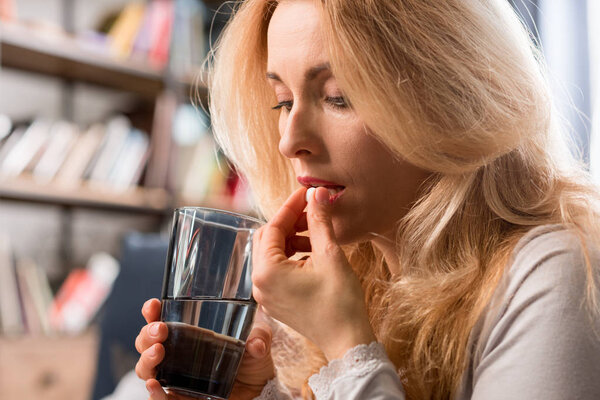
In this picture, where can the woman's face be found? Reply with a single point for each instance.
(327, 143)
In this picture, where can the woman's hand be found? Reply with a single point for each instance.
(320, 296)
(256, 368)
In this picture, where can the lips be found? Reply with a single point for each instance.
(335, 189)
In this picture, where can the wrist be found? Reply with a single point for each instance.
(342, 343)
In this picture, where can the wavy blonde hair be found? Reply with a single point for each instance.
(457, 88)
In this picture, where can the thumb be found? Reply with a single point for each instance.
(320, 227)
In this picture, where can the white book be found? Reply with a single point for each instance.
(10, 304)
(62, 138)
(130, 161)
(5, 126)
(117, 130)
(11, 142)
(81, 155)
(33, 140)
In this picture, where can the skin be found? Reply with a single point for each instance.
(319, 296)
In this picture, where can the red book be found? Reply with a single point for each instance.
(161, 33)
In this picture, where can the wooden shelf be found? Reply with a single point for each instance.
(137, 200)
(64, 56)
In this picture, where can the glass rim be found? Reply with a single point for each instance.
(218, 210)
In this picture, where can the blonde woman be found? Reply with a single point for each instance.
(452, 242)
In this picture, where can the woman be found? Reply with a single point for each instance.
(453, 242)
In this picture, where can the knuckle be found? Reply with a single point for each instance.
(258, 295)
(319, 217)
(261, 279)
(138, 347)
(139, 370)
(332, 249)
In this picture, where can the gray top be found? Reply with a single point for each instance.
(536, 339)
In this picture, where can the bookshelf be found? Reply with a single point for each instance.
(137, 200)
(64, 56)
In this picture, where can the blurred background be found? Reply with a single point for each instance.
(103, 134)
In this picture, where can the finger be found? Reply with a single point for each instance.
(301, 224)
(151, 310)
(150, 334)
(320, 227)
(146, 365)
(297, 244)
(156, 391)
(282, 224)
(258, 344)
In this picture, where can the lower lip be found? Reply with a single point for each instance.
(333, 198)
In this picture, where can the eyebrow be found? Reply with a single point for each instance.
(309, 75)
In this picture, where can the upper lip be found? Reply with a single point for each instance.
(310, 181)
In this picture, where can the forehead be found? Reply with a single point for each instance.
(294, 33)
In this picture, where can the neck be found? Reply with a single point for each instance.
(387, 245)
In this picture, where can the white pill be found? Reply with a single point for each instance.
(309, 193)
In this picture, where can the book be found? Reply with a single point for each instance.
(161, 33)
(80, 156)
(117, 130)
(32, 320)
(26, 148)
(5, 126)
(130, 161)
(11, 318)
(142, 42)
(188, 40)
(123, 32)
(62, 138)
(37, 287)
(10, 142)
(159, 171)
(83, 293)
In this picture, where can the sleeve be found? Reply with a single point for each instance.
(130, 387)
(274, 390)
(544, 343)
(365, 372)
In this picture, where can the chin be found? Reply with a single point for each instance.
(345, 235)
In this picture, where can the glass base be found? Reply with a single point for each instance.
(200, 396)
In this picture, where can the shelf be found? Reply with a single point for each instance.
(64, 56)
(137, 200)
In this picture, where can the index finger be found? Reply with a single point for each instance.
(151, 310)
(285, 219)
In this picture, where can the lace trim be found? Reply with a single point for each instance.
(273, 391)
(357, 362)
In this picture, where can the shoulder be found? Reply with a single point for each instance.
(547, 271)
(537, 331)
(547, 255)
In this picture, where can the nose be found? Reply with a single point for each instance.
(299, 136)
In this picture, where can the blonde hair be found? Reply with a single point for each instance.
(454, 87)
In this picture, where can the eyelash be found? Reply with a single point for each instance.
(337, 102)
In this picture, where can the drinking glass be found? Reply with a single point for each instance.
(207, 301)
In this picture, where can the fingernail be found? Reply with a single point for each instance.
(154, 330)
(149, 389)
(259, 345)
(262, 348)
(322, 196)
(152, 351)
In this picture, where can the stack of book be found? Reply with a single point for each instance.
(163, 33)
(27, 304)
(111, 155)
